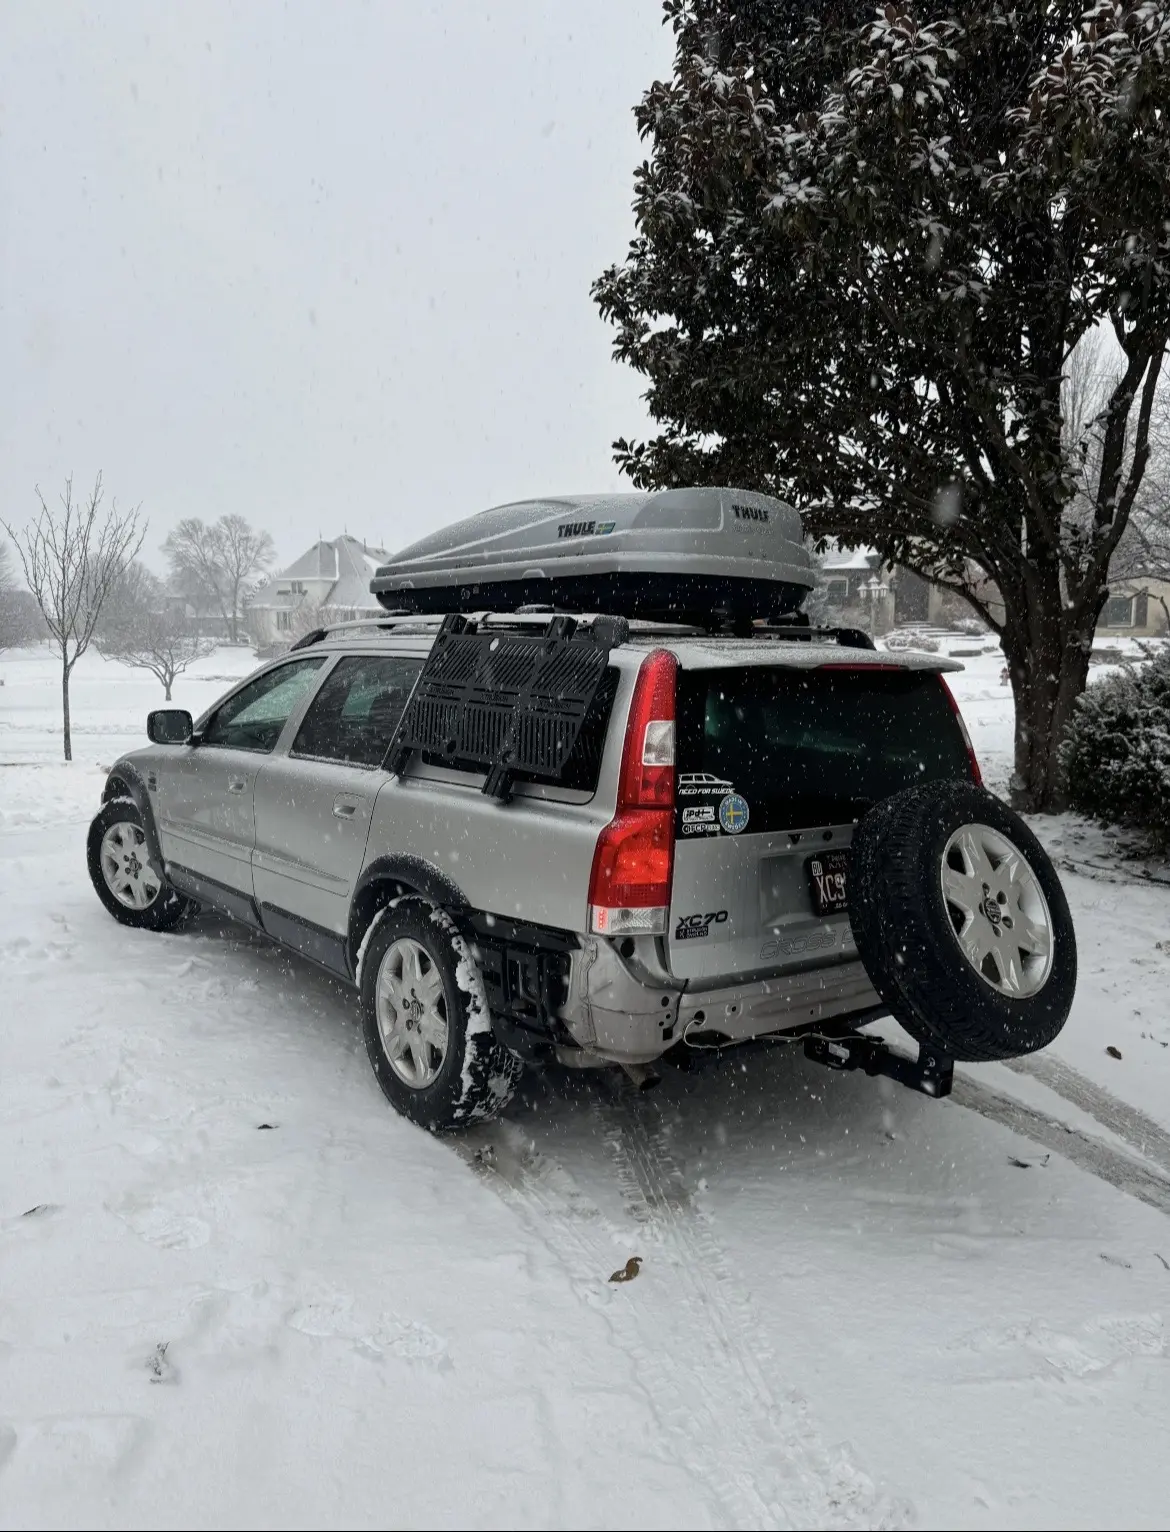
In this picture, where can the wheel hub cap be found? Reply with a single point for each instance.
(998, 912)
(126, 866)
(411, 1007)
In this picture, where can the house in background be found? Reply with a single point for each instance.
(863, 592)
(1136, 608)
(197, 612)
(328, 583)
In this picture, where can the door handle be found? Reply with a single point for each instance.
(344, 810)
(237, 785)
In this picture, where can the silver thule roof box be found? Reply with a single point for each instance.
(710, 557)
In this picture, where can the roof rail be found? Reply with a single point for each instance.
(390, 621)
(792, 632)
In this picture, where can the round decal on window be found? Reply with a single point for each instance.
(733, 813)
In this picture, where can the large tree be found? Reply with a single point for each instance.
(867, 246)
(216, 560)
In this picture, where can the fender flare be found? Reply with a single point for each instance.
(389, 877)
(126, 781)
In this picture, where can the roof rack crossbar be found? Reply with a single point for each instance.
(533, 621)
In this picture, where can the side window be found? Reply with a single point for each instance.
(254, 717)
(355, 712)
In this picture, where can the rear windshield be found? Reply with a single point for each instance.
(803, 748)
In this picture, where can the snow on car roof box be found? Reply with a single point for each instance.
(714, 557)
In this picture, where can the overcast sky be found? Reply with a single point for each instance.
(326, 265)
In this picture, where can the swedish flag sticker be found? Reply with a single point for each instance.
(733, 813)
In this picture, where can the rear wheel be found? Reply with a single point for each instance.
(125, 876)
(425, 1016)
(961, 922)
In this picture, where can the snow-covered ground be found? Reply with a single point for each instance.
(236, 1289)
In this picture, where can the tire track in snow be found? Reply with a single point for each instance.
(1129, 1123)
(1086, 1153)
(763, 1448)
(695, 1355)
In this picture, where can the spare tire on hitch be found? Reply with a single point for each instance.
(961, 922)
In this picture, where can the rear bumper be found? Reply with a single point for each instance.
(772, 1005)
(624, 1015)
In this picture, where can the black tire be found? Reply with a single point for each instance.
(477, 1074)
(907, 932)
(167, 908)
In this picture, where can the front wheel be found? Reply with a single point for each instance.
(125, 877)
(427, 1028)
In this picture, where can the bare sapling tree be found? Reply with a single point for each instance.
(216, 560)
(145, 630)
(1142, 554)
(73, 559)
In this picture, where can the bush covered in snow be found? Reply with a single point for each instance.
(1117, 750)
(911, 638)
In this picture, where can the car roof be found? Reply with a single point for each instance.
(717, 653)
(693, 651)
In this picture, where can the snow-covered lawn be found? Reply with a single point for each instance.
(237, 1290)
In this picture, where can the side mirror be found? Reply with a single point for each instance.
(169, 726)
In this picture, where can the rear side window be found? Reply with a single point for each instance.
(804, 748)
(353, 716)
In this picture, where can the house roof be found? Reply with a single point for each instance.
(356, 564)
(340, 569)
(318, 563)
(850, 558)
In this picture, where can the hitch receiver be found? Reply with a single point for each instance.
(931, 1072)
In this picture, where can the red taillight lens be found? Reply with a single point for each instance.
(630, 886)
(647, 779)
(629, 889)
(976, 774)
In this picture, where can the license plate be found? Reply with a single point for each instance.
(828, 881)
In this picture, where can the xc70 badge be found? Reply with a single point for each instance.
(691, 926)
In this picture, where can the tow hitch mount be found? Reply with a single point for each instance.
(931, 1072)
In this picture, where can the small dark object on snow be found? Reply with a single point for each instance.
(1163, 1260)
(1114, 1053)
(35, 1212)
(1028, 1164)
(158, 1365)
(1116, 1260)
(260, 1126)
(629, 1271)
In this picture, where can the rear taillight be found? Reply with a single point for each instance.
(629, 887)
(976, 774)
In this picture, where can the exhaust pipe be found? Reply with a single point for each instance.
(642, 1075)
